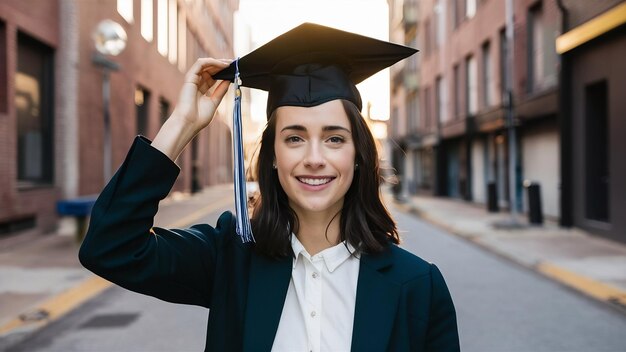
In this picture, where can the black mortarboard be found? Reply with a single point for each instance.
(313, 64)
(307, 66)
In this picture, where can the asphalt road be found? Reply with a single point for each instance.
(500, 306)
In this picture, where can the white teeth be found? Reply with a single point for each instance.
(314, 181)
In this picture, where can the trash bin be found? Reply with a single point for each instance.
(492, 197)
(535, 214)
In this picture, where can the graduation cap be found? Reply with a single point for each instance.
(306, 66)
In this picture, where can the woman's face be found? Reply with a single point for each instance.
(315, 156)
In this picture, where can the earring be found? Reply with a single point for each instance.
(356, 166)
(274, 166)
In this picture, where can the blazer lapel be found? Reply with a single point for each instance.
(267, 289)
(376, 304)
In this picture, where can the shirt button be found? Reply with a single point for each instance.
(313, 314)
(314, 275)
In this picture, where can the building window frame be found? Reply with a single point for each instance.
(471, 86)
(142, 110)
(458, 91)
(487, 75)
(503, 66)
(441, 100)
(470, 8)
(440, 22)
(3, 69)
(35, 121)
(147, 20)
(164, 110)
(125, 9)
(541, 51)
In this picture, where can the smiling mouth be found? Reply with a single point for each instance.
(315, 181)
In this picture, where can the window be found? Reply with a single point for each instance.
(442, 100)
(413, 112)
(542, 60)
(503, 58)
(426, 157)
(142, 102)
(458, 92)
(487, 81)
(164, 110)
(470, 8)
(3, 69)
(147, 19)
(162, 27)
(413, 62)
(440, 18)
(427, 109)
(427, 38)
(173, 31)
(125, 9)
(471, 92)
(34, 110)
(456, 14)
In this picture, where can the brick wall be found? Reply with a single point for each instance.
(40, 22)
(458, 44)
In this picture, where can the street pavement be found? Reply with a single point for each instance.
(42, 281)
(587, 263)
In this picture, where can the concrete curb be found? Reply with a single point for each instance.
(589, 287)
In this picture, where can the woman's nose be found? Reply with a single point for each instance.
(314, 157)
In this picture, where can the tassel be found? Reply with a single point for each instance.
(243, 228)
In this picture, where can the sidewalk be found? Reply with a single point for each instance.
(41, 278)
(590, 264)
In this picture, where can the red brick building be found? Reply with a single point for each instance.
(449, 111)
(51, 96)
(451, 121)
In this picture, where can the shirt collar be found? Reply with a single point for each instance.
(333, 257)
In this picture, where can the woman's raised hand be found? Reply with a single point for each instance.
(197, 103)
(201, 94)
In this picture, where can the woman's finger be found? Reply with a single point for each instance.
(219, 92)
(209, 65)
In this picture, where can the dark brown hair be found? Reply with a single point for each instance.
(365, 222)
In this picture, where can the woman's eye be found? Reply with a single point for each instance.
(335, 139)
(293, 139)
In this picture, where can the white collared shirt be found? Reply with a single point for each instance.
(319, 308)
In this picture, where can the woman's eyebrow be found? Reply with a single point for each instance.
(325, 128)
(335, 128)
(294, 127)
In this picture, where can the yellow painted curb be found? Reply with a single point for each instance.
(61, 304)
(584, 284)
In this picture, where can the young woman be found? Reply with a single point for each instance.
(324, 272)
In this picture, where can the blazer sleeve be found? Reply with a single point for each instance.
(442, 333)
(122, 246)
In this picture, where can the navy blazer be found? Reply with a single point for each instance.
(402, 302)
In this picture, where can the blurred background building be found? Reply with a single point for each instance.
(51, 96)
(448, 108)
(448, 105)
